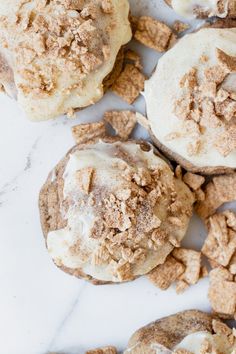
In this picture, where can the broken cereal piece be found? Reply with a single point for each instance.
(104, 350)
(193, 181)
(164, 275)
(84, 178)
(221, 328)
(153, 33)
(180, 26)
(219, 191)
(181, 286)
(222, 292)
(129, 84)
(84, 133)
(220, 244)
(134, 58)
(226, 141)
(192, 261)
(123, 122)
(228, 62)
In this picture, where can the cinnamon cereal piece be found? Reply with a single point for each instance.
(123, 122)
(221, 328)
(116, 71)
(182, 351)
(129, 84)
(232, 265)
(84, 178)
(192, 261)
(216, 74)
(222, 292)
(153, 34)
(228, 62)
(189, 80)
(193, 181)
(181, 286)
(227, 109)
(104, 350)
(220, 244)
(84, 133)
(219, 191)
(164, 275)
(183, 107)
(180, 26)
(226, 141)
(134, 57)
(199, 195)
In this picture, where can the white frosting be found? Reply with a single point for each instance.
(162, 90)
(194, 341)
(91, 89)
(186, 7)
(102, 157)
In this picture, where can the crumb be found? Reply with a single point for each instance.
(71, 113)
(84, 133)
(153, 34)
(180, 26)
(228, 62)
(129, 84)
(123, 122)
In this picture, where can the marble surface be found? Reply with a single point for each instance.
(42, 309)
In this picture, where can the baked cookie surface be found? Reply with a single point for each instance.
(191, 104)
(111, 211)
(56, 54)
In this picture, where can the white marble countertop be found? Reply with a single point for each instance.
(42, 309)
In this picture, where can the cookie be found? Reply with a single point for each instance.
(109, 211)
(186, 332)
(56, 55)
(191, 102)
